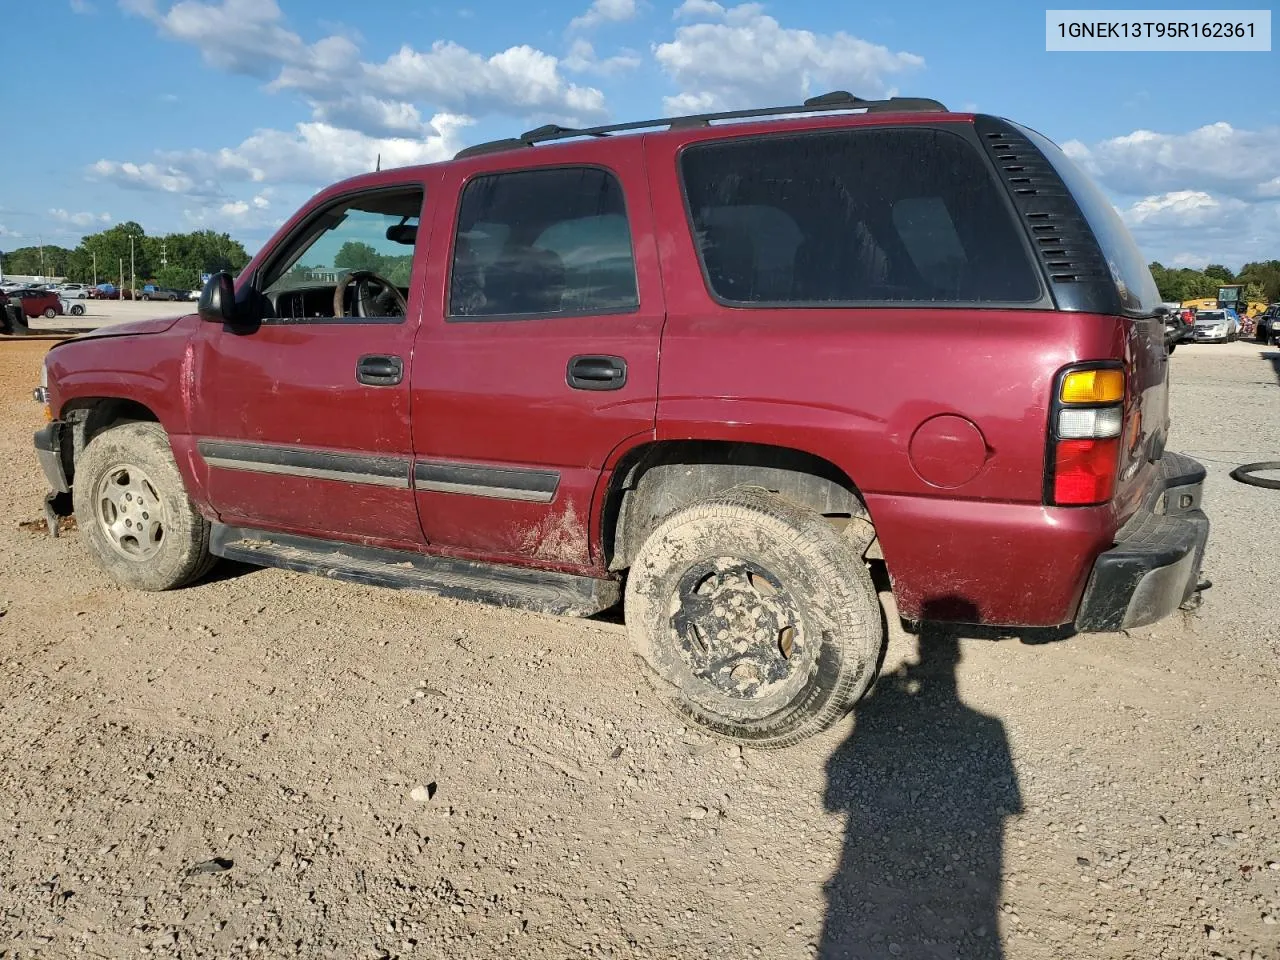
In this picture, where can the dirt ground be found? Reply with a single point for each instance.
(274, 765)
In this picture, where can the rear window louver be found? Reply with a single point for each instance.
(1059, 233)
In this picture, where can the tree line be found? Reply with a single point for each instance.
(174, 260)
(1261, 281)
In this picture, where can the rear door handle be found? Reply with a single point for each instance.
(597, 373)
(379, 370)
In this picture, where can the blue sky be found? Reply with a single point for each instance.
(227, 114)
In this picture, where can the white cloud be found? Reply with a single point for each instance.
(81, 6)
(604, 11)
(12, 234)
(243, 36)
(145, 176)
(377, 99)
(749, 59)
(82, 219)
(311, 154)
(701, 9)
(1183, 209)
(1219, 157)
(521, 80)
(582, 58)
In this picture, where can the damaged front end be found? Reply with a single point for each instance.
(51, 443)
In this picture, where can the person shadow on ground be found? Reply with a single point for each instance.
(927, 784)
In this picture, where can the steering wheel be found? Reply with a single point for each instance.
(388, 302)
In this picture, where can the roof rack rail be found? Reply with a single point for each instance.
(827, 102)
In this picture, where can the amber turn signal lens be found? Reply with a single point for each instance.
(1093, 386)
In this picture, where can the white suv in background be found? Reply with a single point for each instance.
(72, 291)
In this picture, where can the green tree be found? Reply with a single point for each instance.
(1218, 272)
(46, 261)
(178, 277)
(354, 255)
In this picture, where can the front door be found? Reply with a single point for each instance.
(538, 362)
(302, 418)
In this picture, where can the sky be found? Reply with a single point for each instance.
(229, 114)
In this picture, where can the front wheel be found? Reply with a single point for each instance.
(50, 313)
(137, 519)
(77, 310)
(146, 296)
(754, 618)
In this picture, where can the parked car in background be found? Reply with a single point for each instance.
(152, 292)
(194, 295)
(104, 291)
(36, 303)
(72, 291)
(1216, 326)
(1268, 327)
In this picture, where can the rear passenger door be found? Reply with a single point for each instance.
(538, 363)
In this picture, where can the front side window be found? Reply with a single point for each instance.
(372, 237)
(872, 215)
(543, 243)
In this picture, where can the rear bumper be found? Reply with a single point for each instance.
(1154, 566)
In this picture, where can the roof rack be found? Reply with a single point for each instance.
(827, 102)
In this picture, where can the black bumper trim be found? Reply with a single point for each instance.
(48, 442)
(1154, 566)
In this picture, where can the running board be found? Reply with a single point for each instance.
(521, 588)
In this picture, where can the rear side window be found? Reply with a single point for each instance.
(1129, 270)
(543, 242)
(874, 215)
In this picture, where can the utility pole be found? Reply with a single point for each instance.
(133, 275)
(121, 287)
(95, 268)
(40, 242)
(164, 252)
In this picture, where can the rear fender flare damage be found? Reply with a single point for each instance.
(661, 479)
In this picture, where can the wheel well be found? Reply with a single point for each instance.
(90, 416)
(654, 481)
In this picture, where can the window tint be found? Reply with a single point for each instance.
(543, 242)
(1129, 270)
(871, 215)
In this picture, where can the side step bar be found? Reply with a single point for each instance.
(542, 591)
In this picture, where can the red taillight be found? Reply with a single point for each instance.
(1084, 471)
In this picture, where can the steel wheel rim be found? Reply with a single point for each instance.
(739, 632)
(130, 513)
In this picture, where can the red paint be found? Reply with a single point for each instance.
(938, 416)
(947, 451)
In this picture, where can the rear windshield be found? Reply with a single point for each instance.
(872, 215)
(1137, 289)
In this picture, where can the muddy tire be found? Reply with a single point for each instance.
(754, 618)
(134, 513)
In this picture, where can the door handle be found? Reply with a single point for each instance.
(597, 373)
(379, 370)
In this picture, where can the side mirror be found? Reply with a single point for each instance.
(218, 299)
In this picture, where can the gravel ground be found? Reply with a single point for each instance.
(273, 765)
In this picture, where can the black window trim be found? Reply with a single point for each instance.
(961, 129)
(451, 317)
(300, 230)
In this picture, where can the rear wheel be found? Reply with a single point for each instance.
(50, 313)
(134, 512)
(146, 296)
(754, 618)
(77, 310)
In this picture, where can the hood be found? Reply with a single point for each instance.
(135, 328)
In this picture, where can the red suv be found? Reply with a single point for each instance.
(721, 369)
